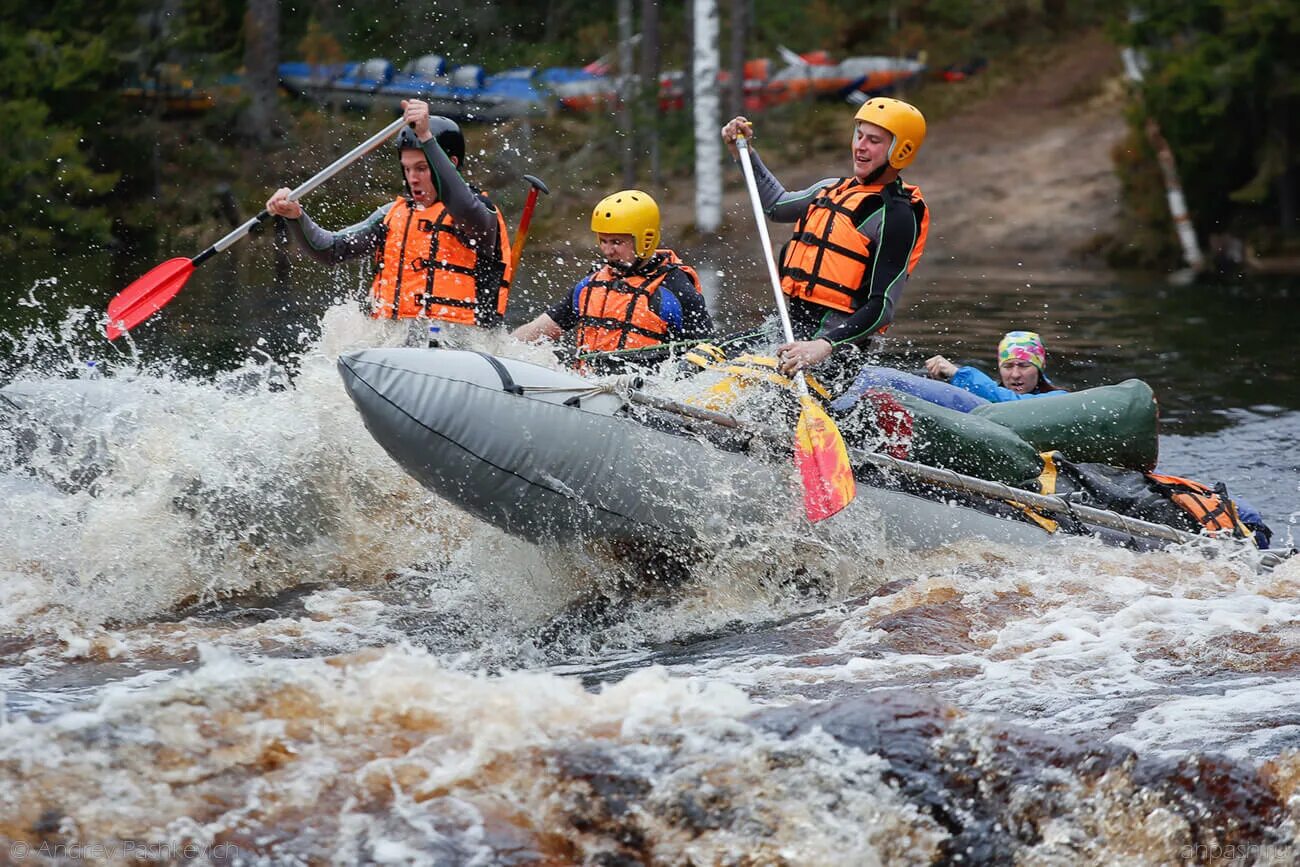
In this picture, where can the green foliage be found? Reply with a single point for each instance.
(211, 27)
(46, 186)
(56, 62)
(1223, 81)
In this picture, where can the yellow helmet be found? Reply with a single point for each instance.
(903, 120)
(629, 212)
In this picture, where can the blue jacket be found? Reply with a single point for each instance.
(977, 382)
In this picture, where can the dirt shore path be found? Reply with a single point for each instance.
(1025, 179)
(1018, 182)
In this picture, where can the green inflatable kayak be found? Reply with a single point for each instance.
(915, 429)
(1112, 424)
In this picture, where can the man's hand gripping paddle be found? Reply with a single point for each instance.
(819, 451)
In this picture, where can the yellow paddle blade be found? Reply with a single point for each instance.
(823, 462)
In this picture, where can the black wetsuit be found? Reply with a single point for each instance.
(893, 228)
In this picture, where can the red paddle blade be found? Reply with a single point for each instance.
(823, 462)
(146, 296)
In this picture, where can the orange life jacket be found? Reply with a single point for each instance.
(1212, 509)
(828, 260)
(427, 267)
(614, 310)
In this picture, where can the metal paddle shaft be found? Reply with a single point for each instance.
(147, 294)
(761, 219)
(307, 186)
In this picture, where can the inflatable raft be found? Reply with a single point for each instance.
(550, 456)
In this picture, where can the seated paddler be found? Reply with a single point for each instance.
(635, 304)
(856, 240)
(1021, 362)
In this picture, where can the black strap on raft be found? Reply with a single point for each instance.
(508, 383)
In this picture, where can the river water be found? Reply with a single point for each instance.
(232, 631)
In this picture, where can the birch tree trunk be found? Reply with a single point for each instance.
(708, 143)
(627, 90)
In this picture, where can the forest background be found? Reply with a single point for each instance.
(87, 169)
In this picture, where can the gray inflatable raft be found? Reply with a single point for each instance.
(522, 447)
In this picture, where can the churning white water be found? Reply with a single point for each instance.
(233, 631)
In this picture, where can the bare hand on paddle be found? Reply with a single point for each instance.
(280, 205)
(735, 127)
(416, 113)
(802, 354)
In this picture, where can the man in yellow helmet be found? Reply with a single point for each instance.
(640, 296)
(856, 239)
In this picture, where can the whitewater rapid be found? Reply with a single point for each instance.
(233, 631)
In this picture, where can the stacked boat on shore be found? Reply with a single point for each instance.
(464, 92)
(468, 92)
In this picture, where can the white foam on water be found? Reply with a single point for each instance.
(139, 492)
(1076, 639)
(244, 753)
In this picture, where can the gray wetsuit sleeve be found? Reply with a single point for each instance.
(473, 216)
(334, 247)
(781, 205)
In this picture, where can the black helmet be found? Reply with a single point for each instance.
(445, 132)
(406, 140)
(449, 137)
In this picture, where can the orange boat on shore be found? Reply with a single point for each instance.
(811, 75)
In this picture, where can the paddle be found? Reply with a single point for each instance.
(819, 450)
(147, 295)
(521, 234)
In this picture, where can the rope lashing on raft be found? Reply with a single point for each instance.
(628, 388)
(622, 386)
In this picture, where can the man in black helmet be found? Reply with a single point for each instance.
(441, 248)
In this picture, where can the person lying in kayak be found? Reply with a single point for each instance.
(1021, 359)
(856, 239)
(441, 248)
(641, 296)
